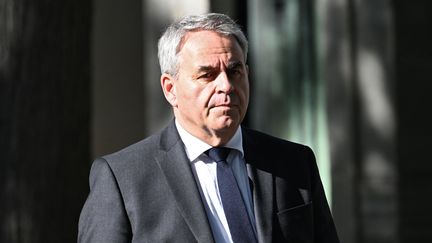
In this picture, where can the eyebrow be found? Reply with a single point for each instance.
(235, 64)
(231, 65)
(206, 68)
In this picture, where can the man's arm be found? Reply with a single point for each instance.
(103, 217)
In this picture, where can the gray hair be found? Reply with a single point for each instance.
(170, 42)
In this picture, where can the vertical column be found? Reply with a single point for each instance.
(118, 108)
(376, 120)
(44, 118)
(336, 69)
(356, 53)
(413, 23)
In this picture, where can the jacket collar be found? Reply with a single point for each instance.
(178, 173)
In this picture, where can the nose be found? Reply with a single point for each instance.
(224, 84)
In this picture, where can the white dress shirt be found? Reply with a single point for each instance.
(205, 170)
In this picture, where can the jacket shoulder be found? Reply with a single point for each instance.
(277, 155)
(263, 140)
(143, 147)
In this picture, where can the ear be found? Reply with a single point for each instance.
(168, 88)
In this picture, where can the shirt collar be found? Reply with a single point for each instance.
(195, 147)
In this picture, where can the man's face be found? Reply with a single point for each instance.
(212, 88)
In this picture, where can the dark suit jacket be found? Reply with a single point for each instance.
(148, 193)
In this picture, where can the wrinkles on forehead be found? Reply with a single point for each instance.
(209, 52)
(187, 33)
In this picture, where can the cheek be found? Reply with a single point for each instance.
(243, 90)
(206, 96)
(195, 98)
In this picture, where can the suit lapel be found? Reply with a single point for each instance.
(275, 186)
(262, 183)
(262, 187)
(176, 167)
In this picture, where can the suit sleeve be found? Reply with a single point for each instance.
(324, 228)
(103, 217)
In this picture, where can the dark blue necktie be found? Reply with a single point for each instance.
(233, 205)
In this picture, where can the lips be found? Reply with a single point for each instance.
(225, 109)
(225, 106)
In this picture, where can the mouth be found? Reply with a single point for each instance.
(227, 110)
(224, 106)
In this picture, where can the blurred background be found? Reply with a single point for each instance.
(350, 78)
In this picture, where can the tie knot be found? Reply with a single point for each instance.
(218, 154)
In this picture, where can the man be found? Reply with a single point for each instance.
(205, 178)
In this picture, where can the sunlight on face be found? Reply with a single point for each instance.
(212, 87)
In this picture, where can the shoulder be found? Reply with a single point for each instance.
(134, 151)
(265, 142)
(140, 156)
(277, 155)
(128, 167)
(146, 148)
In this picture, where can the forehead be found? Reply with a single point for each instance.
(201, 45)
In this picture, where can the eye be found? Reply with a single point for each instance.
(207, 76)
(234, 72)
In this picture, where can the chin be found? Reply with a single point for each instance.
(226, 124)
